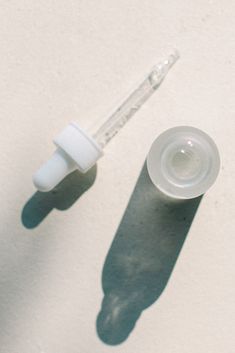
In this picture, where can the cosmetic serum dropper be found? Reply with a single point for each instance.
(77, 149)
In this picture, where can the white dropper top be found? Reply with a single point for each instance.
(76, 149)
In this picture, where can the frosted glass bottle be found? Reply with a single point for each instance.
(183, 162)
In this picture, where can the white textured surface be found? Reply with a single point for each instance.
(67, 60)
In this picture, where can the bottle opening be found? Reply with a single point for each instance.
(185, 163)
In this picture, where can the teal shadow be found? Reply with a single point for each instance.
(62, 197)
(141, 258)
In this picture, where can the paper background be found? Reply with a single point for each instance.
(73, 60)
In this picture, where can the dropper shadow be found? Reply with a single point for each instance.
(141, 258)
(61, 197)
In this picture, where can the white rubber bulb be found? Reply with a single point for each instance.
(53, 171)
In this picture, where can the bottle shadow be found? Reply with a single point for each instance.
(61, 197)
(141, 258)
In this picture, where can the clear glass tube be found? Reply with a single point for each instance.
(135, 100)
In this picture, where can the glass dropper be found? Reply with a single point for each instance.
(77, 149)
